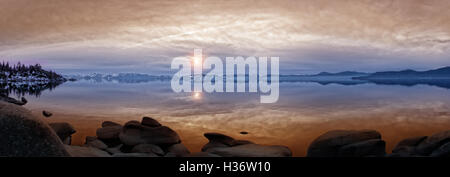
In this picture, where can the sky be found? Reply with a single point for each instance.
(110, 36)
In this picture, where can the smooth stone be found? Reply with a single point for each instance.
(148, 121)
(241, 142)
(79, 151)
(97, 144)
(213, 144)
(114, 150)
(179, 150)
(442, 151)
(132, 124)
(170, 154)
(110, 132)
(47, 114)
(374, 147)
(133, 134)
(147, 148)
(110, 124)
(203, 154)
(24, 135)
(62, 129)
(328, 144)
(407, 146)
(135, 155)
(252, 150)
(433, 142)
(218, 137)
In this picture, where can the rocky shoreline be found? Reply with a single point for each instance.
(24, 135)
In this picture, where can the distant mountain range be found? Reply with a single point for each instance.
(120, 77)
(440, 73)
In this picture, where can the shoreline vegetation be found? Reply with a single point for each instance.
(148, 138)
(19, 80)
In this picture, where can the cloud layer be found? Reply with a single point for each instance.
(313, 35)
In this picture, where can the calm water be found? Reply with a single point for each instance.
(304, 110)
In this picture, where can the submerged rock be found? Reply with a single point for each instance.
(24, 135)
(329, 144)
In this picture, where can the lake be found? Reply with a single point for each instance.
(304, 110)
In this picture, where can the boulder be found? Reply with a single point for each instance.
(442, 151)
(329, 143)
(110, 124)
(213, 144)
(221, 138)
(427, 146)
(251, 150)
(109, 132)
(408, 145)
(114, 150)
(63, 129)
(170, 154)
(97, 144)
(25, 135)
(202, 154)
(147, 148)
(179, 150)
(148, 121)
(241, 142)
(79, 151)
(134, 134)
(373, 147)
(135, 155)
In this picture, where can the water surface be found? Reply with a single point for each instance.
(304, 110)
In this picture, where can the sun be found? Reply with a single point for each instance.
(197, 60)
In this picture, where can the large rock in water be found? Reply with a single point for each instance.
(22, 134)
(342, 143)
(133, 133)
